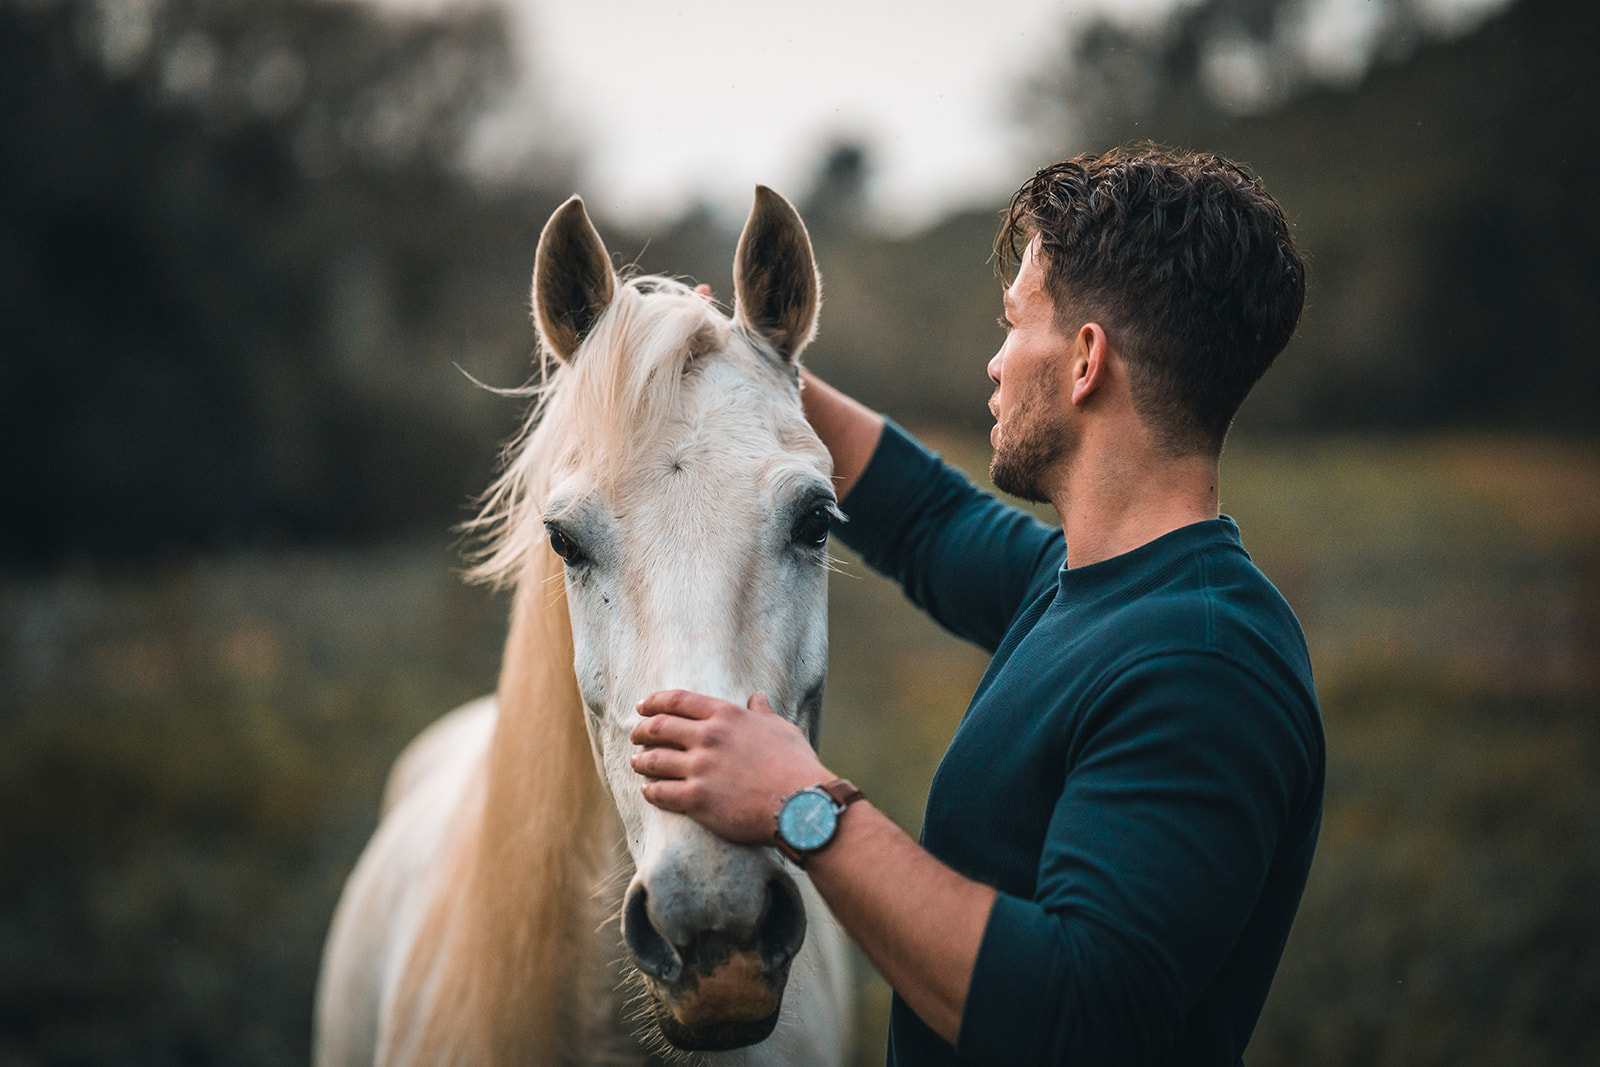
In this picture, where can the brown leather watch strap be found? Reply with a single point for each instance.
(843, 793)
(796, 858)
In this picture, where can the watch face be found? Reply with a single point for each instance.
(807, 820)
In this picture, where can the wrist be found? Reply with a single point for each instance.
(807, 819)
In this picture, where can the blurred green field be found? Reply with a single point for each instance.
(190, 759)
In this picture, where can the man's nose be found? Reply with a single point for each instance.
(994, 367)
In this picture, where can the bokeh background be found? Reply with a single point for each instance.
(252, 253)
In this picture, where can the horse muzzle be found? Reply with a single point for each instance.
(714, 984)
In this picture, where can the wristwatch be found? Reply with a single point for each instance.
(809, 817)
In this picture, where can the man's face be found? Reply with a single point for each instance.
(1031, 402)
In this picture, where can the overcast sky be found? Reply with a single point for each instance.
(674, 101)
(707, 97)
(678, 100)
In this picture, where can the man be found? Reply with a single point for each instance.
(1118, 837)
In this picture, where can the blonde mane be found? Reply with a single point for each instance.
(614, 394)
(500, 971)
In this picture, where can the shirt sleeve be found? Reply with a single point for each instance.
(960, 554)
(1183, 782)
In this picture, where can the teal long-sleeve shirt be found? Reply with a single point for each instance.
(1140, 775)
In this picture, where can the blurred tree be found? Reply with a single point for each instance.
(836, 203)
(1443, 248)
(1439, 186)
(236, 257)
(1207, 61)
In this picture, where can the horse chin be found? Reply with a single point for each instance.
(713, 1036)
(730, 1006)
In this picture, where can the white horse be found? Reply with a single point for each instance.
(663, 520)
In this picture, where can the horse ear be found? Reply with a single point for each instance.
(573, 282)
(776, 288)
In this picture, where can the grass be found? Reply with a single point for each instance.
(191, 759)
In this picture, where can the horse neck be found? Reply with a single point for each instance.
(518, 983)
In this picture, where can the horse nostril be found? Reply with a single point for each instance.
(783, 924)
(651, 952)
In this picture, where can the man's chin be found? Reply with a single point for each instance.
(1019, 479)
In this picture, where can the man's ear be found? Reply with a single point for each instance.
(1091, 361)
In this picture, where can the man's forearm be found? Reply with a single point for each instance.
(918, 921)
(848, 428)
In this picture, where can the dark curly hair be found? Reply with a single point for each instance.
(1184, 259)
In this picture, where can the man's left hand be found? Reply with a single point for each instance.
(725, 766)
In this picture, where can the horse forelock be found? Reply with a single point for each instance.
(596, 411)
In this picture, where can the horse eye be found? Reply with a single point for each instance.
(811, 529)
(565, 547)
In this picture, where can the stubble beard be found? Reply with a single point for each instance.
(1031, 447)
(1035, 439)
(1017, 467)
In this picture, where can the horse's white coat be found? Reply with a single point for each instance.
(672, 449)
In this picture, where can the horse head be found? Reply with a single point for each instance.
(688, 500)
